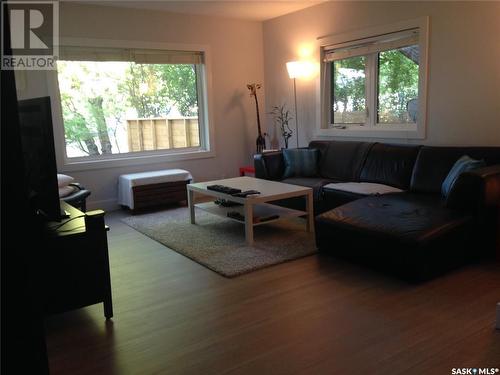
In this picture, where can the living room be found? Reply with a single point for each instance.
(395, 97)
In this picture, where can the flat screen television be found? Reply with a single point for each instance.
(37, 142)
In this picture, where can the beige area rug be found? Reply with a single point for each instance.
(219, 243)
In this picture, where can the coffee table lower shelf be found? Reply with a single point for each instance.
(260, 210)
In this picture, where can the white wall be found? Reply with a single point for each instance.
(464, 63)
(236, 59)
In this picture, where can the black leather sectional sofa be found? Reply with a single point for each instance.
(412, 232)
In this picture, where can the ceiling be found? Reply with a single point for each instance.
(254, 10)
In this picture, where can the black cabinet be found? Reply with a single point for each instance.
(77, 262)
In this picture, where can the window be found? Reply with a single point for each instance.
(348, 90)
(397, 90)
(118, 103)
(374, 84)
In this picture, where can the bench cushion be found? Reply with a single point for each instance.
(128, 181)
(363, 188)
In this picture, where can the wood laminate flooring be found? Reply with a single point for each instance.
(316, 315)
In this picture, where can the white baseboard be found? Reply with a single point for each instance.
(106, 205)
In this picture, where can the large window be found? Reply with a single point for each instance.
(122, 102)
(374, 84)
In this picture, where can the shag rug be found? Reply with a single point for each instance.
(219, 243)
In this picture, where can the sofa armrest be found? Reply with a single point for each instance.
(269, 165)
(478, 189)
(77, 185)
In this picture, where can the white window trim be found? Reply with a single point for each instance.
(205, 107)
(403, 131)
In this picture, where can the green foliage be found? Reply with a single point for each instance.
(154, 89)
(349, 89)
(98, 119)
(180, 86)
(145, 89)
(75, 127)
(281, 117)
(397, 85)
(97, 96)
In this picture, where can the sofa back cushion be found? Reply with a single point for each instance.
(434, 163)
(341, 160)
(301, 162)
(390, 165)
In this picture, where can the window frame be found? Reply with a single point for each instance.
(205, 120)
(372, 129)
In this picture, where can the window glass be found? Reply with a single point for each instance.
(398, 85)
(116, 107)
(348, 90)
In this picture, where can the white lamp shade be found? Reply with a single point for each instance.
(294, 69)
(300, 69)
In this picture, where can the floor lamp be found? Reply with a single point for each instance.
(294, 71)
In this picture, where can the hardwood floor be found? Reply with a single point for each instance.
(316, 315)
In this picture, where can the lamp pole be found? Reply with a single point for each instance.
(296, 117)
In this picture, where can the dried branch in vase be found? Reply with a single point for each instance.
(281, 117)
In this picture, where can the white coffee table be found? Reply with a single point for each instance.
(253, 207)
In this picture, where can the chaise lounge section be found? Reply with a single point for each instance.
(381, 204)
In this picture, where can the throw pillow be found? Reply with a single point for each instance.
(64, 180)
(464, 164)
(301, 162)
(66, 190)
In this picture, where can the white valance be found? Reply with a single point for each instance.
(139, 56)
(374, 44)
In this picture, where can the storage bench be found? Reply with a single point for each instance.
(138, 191)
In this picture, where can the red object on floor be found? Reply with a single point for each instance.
(247, 169)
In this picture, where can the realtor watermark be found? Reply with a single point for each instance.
(475, 371)
(34, 35)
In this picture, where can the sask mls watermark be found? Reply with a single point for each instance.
(34, 35)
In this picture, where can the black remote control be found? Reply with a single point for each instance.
(223, 189)
(245, 193)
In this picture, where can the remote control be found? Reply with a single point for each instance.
(245, 193)
(223, 189)
(236, 215)
(226, 203)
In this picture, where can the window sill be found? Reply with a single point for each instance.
(83, 165)
(379, 132)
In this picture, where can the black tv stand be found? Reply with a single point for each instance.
(77, 263)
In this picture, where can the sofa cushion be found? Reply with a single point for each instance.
(269, 165)
(334, 198)
(411, 235)
(321, 146)
(409, 218)
(434, 163)
(301, 162)
(316, 183)
(342, 160)
(298, 203)
(390, 165)
(337, 194)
